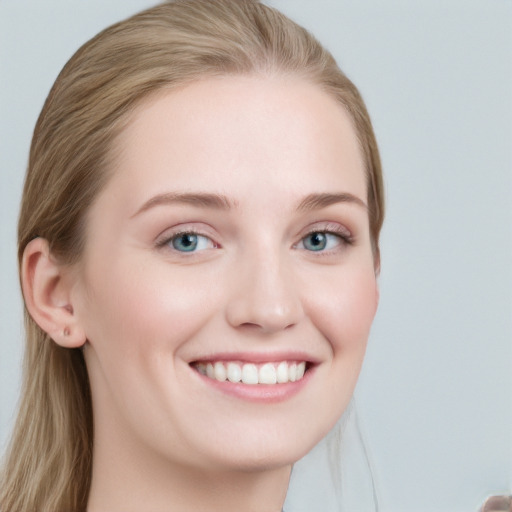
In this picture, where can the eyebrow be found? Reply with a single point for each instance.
(318, 201)
(221, 202)
(201, 199)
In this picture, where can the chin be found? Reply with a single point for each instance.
(272, 450)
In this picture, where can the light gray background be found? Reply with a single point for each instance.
(435, 396)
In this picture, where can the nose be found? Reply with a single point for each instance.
(265, 295)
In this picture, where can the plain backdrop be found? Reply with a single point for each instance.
(435, 396)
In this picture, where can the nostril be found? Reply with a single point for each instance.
(267, 326)
(269, 304)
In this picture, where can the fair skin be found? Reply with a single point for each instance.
(233, 231)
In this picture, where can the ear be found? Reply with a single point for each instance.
(47, 289)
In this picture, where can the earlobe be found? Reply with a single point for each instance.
(47, 292)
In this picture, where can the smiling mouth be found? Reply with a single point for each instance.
(280, 372)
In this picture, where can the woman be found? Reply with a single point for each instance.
(198, 247)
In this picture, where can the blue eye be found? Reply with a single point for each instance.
(320, 241)
(190, 242)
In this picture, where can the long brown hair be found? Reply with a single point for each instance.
(48, 465)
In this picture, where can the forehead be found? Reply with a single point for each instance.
(236, 133)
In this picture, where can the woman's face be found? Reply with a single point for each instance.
(232, 240)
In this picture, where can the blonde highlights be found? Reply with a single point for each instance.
(48, 465)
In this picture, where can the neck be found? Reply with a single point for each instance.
(125, 484)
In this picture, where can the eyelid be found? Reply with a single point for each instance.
(163, 240)
(329, 228)
(333, 228)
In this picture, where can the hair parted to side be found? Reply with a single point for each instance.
(48, 465)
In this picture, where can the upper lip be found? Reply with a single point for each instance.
(258, 357)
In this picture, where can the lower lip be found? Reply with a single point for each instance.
(263, 393)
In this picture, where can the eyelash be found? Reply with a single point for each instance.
(167, 240)
(345, 238)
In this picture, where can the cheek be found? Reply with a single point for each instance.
(138, 314)
(344, 307)
(342, 311)
(136, 305)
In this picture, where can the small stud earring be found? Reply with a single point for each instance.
(66, 331)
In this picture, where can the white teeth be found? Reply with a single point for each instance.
(301, 369)
(267, 374)
(220, 371)
(282, 372)
(249, 373)
(292, 372)
(234, 372)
